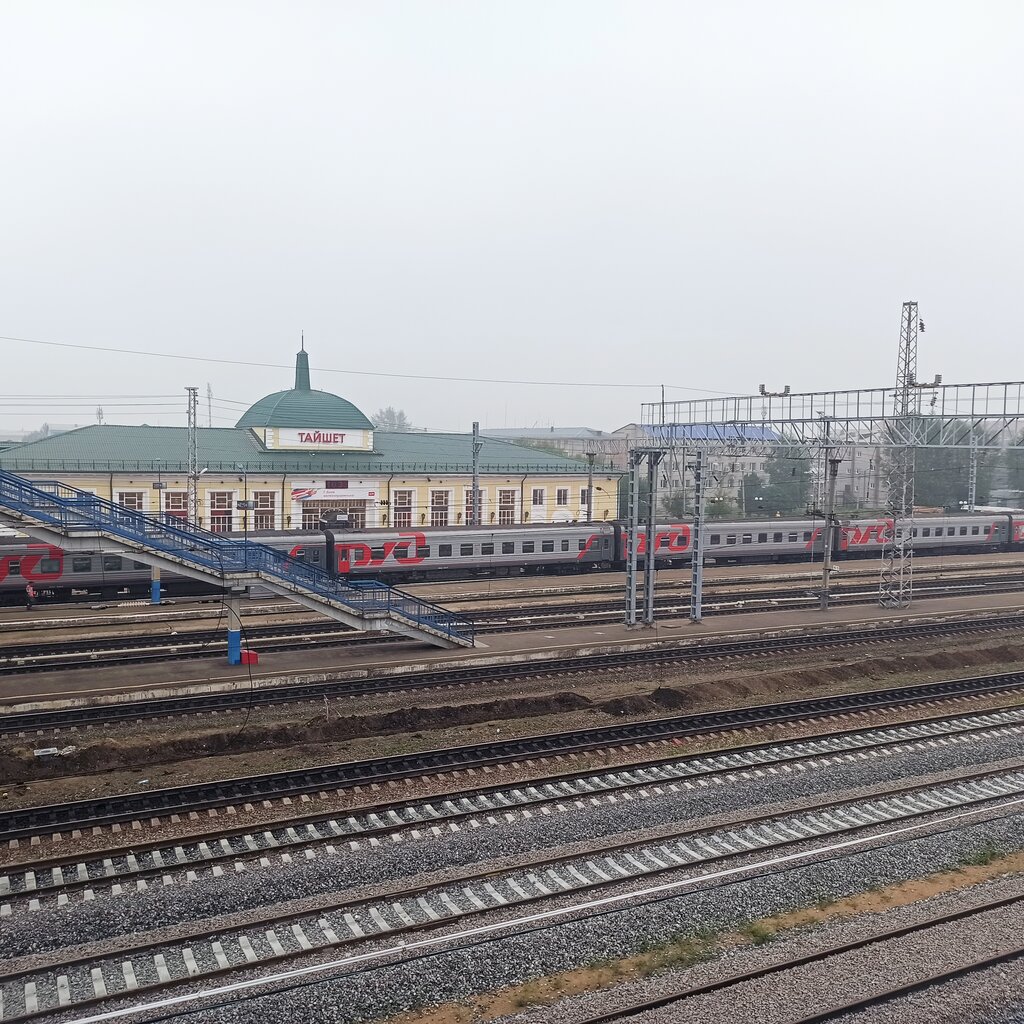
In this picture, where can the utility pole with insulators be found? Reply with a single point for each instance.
(697, 539)
(193, 455)
(478, 444)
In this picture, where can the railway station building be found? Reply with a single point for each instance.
(296, 453)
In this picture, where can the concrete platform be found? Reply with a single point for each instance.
(204, 674)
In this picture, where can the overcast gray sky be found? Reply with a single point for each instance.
(701, 195)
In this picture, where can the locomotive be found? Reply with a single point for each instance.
(437, 553)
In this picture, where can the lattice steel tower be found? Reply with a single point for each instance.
(898, 550)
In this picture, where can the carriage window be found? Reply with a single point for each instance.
(314, 555)
(716, 538)
(81, 564)
(423, 552)
(378, 553)
(111, 563)
(508, 547)
(139, 565)
(444, 550)
(926, 532)
(547, 545)
(762, 538)
(938, 531)
(527, 547)
(565, 545)
(49, 565)
(465, 549)
(486, 549)
(14, 567)
(963, 531)
(583, 545)
(748, 538)
(807, 535)
(987, 530)
(730, 538)
(974, 531)
(776, 538)
(913, 532)
(793, 538)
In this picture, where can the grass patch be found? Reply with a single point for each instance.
(982, 856)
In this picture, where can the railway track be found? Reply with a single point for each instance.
(78, 815)
(105, 652)
(684, 653)
(57, 881)
(593, 877)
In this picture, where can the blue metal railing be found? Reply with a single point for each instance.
(72, 511)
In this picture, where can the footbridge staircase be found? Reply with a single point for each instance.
(77, 520)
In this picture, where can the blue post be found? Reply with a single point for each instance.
(234, 631)
(154, 586)
(234, 647)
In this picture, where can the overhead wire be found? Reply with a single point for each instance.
(362, 373)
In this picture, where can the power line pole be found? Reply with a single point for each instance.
(209, 405)
(654, 458)
(898, 550)
(193, 455)
(591, 456)
(972, 476)
(632, 534)
(697, 539)
(475, 502)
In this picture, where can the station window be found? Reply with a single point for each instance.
(465, 549)
(565, 545)
(538, 496)
(584, 497)
(547, 545)
(423, 551)
(131, 499)
(762, 538)
(439, 511)
(81, 563)
(506, 507)
(508, 547)
(176, 504)
(264, 515)
(527, 547)
(336, 485)
(486, 549)
(111, 563)
(403, 510)
(562, 496)
(776, 538)
(444, 551)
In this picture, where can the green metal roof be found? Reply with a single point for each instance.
(314, 410)
(304, 407)
(108, 448)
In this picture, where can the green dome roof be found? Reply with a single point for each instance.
(304, 407)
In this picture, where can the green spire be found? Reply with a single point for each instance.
(302, 369)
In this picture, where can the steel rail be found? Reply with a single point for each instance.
(775, 841)
(205, 850)
(82, 814)
(687, 652)
(107, 652)
(739, 977)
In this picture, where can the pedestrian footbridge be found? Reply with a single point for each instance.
(78, 521)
